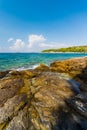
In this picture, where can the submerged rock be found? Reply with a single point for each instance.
(41, 99)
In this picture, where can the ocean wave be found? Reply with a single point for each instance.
(23, 61)
(25, 68)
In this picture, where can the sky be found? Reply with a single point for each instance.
(35, 25)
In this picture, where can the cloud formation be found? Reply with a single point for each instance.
(35, 39)
(50, 45)
(18, 45)
(36, 43)
(10, 39)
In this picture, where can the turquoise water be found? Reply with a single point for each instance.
(31, 60)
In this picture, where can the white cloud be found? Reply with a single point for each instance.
(54, 45)
(36, 43)
(48, 45)
(10, 39)
(18, 45)
(35, 39)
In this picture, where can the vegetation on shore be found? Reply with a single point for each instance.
(68, 49)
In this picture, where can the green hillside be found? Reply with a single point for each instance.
(68, 49)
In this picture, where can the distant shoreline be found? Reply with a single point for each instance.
(73, 49)
(42, 52)
(67, 52)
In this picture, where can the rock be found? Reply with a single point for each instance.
(23, 74)
(72, 66)
(79, 103)
(42, 67)
(20, 121)
(42, 99)
(76, 67)
(9, 88)
(4, 73)
(15, 103)
(83, 87)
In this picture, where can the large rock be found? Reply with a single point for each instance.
(36, 102)
(41, 99)
(72, 66)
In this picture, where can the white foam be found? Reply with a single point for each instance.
(25, 68)
(34, 66)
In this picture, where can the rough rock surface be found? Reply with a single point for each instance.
(42, 99)
(72, 66)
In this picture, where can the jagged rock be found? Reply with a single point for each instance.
(41, 99)
(23, 74)
(79, 103)
(11, 107)
(9, 88)
(72, 66)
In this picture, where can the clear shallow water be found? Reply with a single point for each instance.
(30, 60)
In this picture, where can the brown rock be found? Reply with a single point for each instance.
(30, 103)
(9, 88)
(72, 66)
(42, 67)
(23, 74)
(41, 99)
(4, 73)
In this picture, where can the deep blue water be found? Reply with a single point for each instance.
(30, 60)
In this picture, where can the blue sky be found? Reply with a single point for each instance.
(34, 25)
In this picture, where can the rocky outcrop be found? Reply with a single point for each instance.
(72, 66)
(42, 99)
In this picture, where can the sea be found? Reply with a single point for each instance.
(21, 61)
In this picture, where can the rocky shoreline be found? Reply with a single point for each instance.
(45, 98)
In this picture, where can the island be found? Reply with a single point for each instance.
(82, 49)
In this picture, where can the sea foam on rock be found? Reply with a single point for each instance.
(46, 98)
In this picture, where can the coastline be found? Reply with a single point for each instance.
(49, 93)
(30, 60)
(67, 52)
